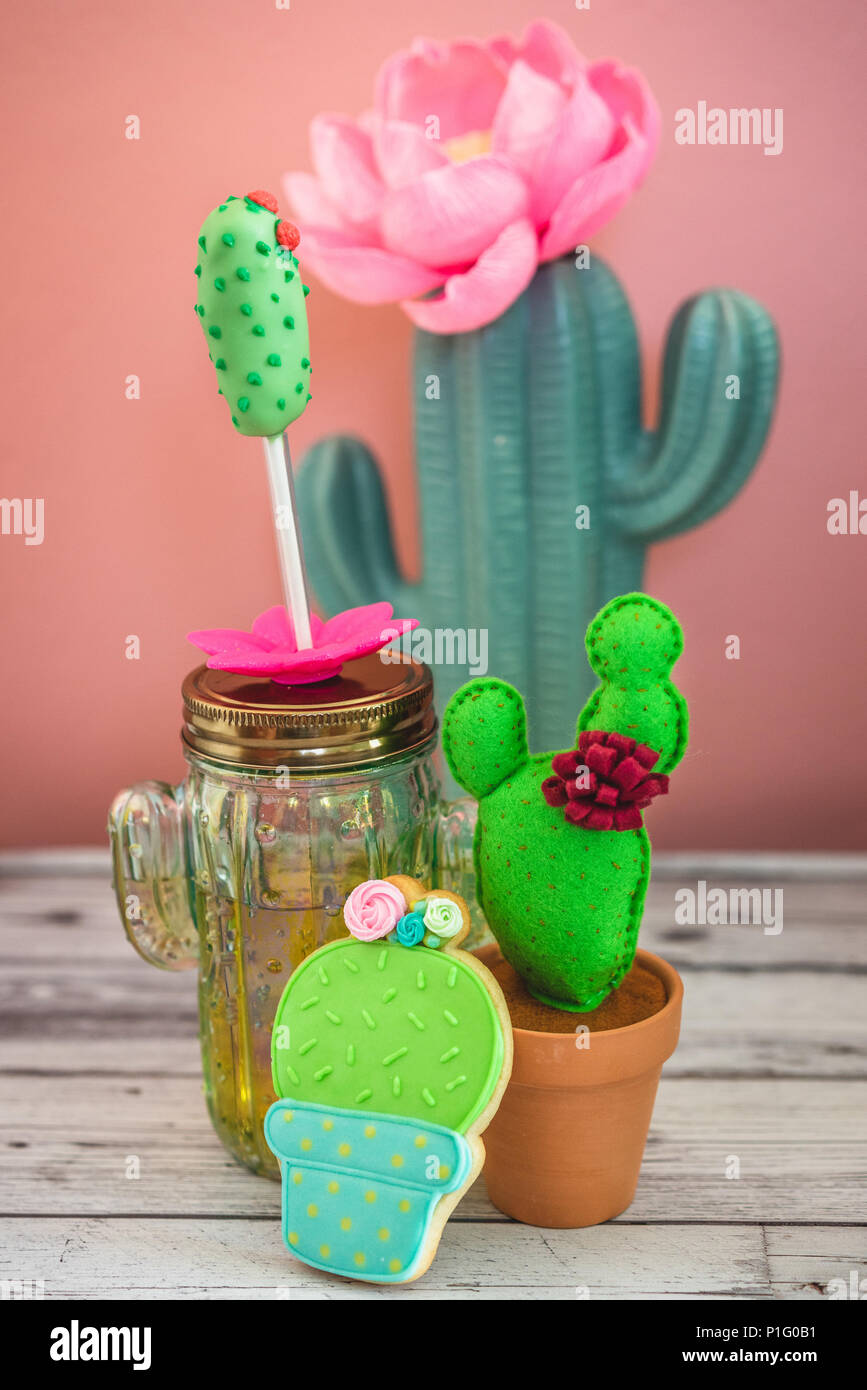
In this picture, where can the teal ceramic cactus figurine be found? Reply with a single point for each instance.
(519, 424)
(391, 1050)
(563, 860)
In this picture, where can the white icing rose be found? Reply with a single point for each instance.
(443, 917)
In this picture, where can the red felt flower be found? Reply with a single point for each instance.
(605, 783)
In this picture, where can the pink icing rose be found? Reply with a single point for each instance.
(373, 909)
(479, 161)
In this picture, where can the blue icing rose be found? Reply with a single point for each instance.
(410, 929)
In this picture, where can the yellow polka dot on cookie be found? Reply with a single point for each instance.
(307, 1145)
(293, 1237)
(370, 1132)
(297, 1178)
(445, 1171)
(383, 1233)
(420, 1141)
(288, 1116)
(313, 1210)
(334, 1187)
(404, 1204)
(344, 1150)
(327, 1124)
(396, 1161)
(359, 1257)
(325, 1251)
(394, 1266)
(345, 1224)
(370, 1196)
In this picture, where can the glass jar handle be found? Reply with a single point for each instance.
(151, 877)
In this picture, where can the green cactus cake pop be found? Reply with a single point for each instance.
(252, 311)
(391, 1050)
(563, 860)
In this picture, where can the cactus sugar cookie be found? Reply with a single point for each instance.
(251, 305)
(561, 853)
(391, 1050)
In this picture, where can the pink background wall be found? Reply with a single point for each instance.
(156, 519)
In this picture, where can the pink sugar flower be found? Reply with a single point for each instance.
(270, 650)
(373, 909)
(478, 162)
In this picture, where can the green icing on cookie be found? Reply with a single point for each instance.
(245, 276)
(380, 1027)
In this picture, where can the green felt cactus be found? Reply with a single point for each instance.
(561, 886)
(520, 424)
(251, 305)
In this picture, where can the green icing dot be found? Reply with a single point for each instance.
(306, 289)
(300, 387)
(235, 420)
(244, 403)
(273, 359)
(203, 243)
(222, 207)
(198, 270)
(276, 298)
(251, 206)
(215, 331)
(228, 239)
(258, 330)
(242, 272)
(219, 283)
(247, 310)
(263, 248)
(281, 402)
(220, 365)
(309, 397)
(288, 275)
(288, 322)
(305, 361)
(254, 378)
(200, 309)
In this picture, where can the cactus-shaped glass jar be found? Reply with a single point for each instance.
(294, 795)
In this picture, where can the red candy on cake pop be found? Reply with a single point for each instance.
(264, 199)
(288, 235)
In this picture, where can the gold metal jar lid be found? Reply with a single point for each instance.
(371, 712)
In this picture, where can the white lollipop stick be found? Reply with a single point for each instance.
(288, 537)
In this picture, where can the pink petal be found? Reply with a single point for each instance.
(404, 152)
(366, 274)
(249, 664)
(310, 203)
(348, 624)
(481, 294)
(545, 47)
(450, 216)
(344, 160)
(582, 138)
(626, 93)
(527, 117)
(594, 198)
(227, 639)
(457, 84)
(275, 627)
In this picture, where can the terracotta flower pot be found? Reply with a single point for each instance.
(565, 1147)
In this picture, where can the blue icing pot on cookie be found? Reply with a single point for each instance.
(361, 1189)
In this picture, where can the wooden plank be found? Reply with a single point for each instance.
(78, 926)
(818, 1261)
(84, 1258)
(801, 1147)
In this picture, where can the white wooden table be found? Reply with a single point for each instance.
(99, 1068)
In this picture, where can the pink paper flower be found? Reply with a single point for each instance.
(373, 909)
(270, 650)
(479, 161)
